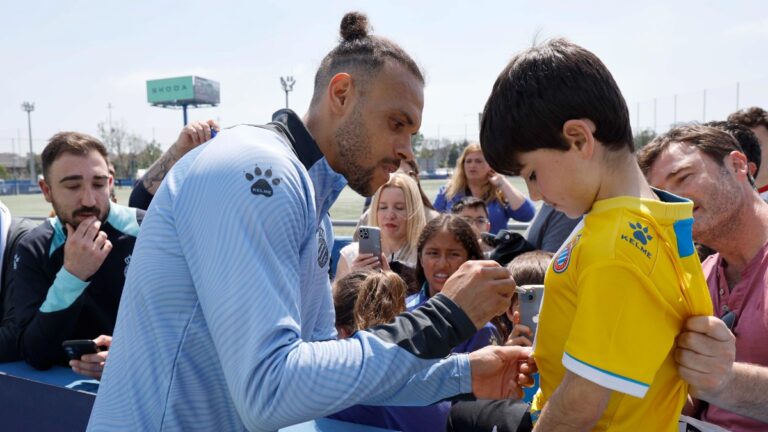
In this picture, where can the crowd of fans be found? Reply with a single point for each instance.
(63, 279)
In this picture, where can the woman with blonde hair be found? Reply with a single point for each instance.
(474, 177)
(398, 211)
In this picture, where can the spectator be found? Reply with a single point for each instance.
(556, 117)
(747, 140)
(473, 177)
(446, 243)
(12, 230)
(707, 166)
(191, 136)
(227, 318)
(397, 210)
(70, 270)
(756, 119)
(475, 213)
(411, 168)
(550, 228)
(364, 299)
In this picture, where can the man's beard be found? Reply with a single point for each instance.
(352, 140)
(71, 219)
(353, 146)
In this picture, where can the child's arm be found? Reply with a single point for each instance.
(576, 405)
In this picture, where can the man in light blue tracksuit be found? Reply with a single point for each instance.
(227, 321)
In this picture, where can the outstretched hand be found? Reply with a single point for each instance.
(501, 372)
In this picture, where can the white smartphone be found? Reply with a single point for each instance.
(370, 240)
(529, 298)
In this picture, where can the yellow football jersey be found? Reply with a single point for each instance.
(616, 296)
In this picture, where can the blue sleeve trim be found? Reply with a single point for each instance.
(605, 378)
(65, 290)
(684, 234)
(123, 219)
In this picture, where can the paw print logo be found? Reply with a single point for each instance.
(641, 233)
(262, 180)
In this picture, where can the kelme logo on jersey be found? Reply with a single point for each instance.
(564, 257)
(640, 238)
(261, 185)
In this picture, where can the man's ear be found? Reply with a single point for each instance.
(341, 88)
(45, 189)
(739, 162)
(577, 133)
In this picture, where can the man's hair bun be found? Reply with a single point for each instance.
(354, 26)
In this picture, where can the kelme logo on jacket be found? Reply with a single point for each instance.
(262, 180)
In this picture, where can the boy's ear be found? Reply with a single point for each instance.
(577, 133)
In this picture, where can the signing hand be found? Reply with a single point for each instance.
(482, 289)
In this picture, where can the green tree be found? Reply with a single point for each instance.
(643, 137)
(456, 149)
(3, 173)
(416, 143)
(149, 155)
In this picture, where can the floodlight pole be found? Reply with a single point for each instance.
(287, 83)
(29, 107)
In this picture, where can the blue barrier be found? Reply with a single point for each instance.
(338, 243)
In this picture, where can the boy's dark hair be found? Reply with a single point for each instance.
(361, 54)
(750, 117)
(75, 143)
(455, 225)
(746, 138)
(713, 142)
(469, 202)
(540, 89)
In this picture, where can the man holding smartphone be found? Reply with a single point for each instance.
(68, 272)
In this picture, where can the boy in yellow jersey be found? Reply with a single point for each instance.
(620, 288)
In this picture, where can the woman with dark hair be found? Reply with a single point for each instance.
(446, 243)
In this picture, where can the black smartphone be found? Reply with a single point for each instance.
(76, 348)
(370, 240)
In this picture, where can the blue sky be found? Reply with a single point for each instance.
(73, 58)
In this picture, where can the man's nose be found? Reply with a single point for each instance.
(403, 148)
(88, 198)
